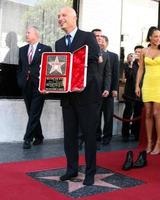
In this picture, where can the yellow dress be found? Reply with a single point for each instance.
(151, 80)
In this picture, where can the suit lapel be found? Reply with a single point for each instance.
(104, 57)
(37, 52)
(64, 46)
(73, 44)
(75, 41)
(26, 53)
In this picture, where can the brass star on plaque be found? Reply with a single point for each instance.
(56, 66)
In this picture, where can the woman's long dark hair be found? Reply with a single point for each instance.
(149, 34)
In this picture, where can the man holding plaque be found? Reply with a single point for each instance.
(80, 109)
(28, 81)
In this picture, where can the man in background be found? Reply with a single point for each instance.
(28, 81)
(104, 70)
(105, 134)
(133, 104)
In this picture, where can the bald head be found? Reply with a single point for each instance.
(69, 10)
(67, 19)
(32, 34)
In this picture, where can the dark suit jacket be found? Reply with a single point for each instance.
(105, 72)
(92, 92)
(34, 67)
(114, 63)
(130, 75)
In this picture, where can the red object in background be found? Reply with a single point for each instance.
(63, 72)
(143, 134)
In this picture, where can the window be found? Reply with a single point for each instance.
(15, 16)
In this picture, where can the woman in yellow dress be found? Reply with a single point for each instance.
(149, 71)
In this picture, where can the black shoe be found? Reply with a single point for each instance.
(37, 142)
(106, 141)
(66, 177)
(141, 160)
(26, 144)
(128, 164)
(89, 180)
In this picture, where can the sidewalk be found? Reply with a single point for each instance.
(11, 152)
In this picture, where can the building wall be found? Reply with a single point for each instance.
(138, 16)
(130, 18)
(103, 14)
(14, 119)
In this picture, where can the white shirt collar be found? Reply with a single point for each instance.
(72, 34)
(34, 47)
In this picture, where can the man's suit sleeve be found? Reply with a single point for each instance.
(94, 49)
(127, 71)
(107, 74)
(48, 49)
(19, 70)
(115, 73)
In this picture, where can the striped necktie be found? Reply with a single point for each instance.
(30, 54)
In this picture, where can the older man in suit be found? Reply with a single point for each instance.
(28, 81)
(80, 109)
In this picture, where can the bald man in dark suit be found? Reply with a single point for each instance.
(80, 109)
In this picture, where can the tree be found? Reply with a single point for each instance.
(44, 16)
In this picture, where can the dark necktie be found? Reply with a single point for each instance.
(68, 37)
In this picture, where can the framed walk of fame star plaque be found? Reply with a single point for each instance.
(63, 72)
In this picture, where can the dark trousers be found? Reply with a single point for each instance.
(34, 102)
(107, 110)
(85, 118)
(132, 109)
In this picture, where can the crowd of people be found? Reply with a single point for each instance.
(82, 111)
